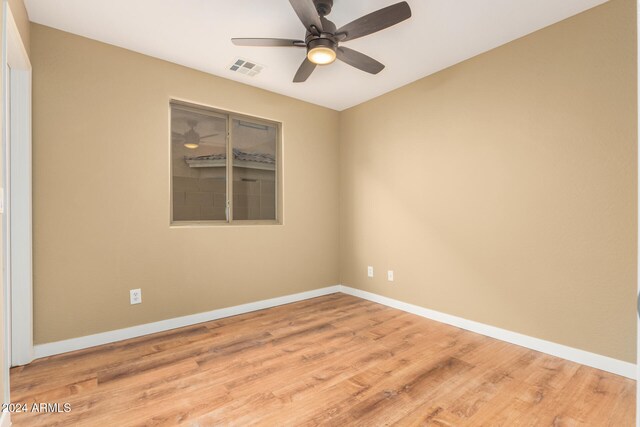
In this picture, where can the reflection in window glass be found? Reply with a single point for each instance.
(199, 172)
(223, 166)
(254, 170)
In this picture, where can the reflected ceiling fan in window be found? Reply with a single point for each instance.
(191, 138)
(322, 39)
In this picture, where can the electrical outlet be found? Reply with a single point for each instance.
(369, 271)
(390, 275)
(135, 296)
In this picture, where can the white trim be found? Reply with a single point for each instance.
(58, 347)
(18, 195)
(597, 361)
(17, 133)
(6, 277)
(5, 419)
(20, 221)
(20, 218)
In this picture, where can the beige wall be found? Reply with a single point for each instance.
(100, 143)
(19, 12)
(503, 189)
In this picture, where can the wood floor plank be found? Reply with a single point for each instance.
(333, 360)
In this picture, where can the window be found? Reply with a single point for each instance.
(224, 167)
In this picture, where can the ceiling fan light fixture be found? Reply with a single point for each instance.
(321, 51)
(191, 137)
(323, 37)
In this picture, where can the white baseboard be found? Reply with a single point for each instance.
(58, 347)
(597, 361)
(5, 419)
(594, 360)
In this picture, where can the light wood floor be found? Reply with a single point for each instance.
(335, 360)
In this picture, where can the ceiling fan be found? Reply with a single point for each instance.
(191, 138)
(322, 38)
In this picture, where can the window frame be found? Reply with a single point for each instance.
(229, 116)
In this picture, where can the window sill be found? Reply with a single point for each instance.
(242, 223)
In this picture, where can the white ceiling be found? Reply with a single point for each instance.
(197, 33)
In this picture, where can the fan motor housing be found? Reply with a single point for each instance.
(321, 42)
(323, 6)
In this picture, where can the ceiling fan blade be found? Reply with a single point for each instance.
(359, 60)
(268, 42)
(177, 135)
(375, 21)
(209, 136)
(305, 70)
(306, 11)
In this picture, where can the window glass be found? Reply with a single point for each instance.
(224, 167)
(199, 165)
(254, 147)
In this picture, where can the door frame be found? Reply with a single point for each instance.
(17, 218)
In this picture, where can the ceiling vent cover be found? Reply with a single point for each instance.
(248, 68)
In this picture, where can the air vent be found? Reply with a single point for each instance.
(245, 67)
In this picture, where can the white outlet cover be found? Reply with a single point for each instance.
(135, 296)
(390, 275)
(369, 271)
